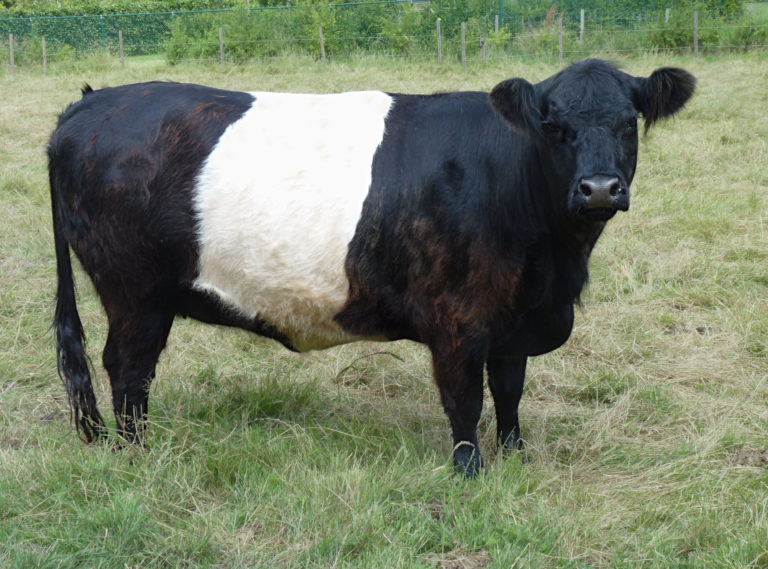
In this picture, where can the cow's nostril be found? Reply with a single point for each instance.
(599, 188)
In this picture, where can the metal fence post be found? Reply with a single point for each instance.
(581, 26)
(322, 46)
(439, 43)
(122, 54)
(221, 45)
(696, 34)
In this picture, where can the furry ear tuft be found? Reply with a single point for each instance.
(664, 93)
(516, 101)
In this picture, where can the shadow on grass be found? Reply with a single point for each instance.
(247, 421)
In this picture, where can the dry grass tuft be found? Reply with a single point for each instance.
(458, 558)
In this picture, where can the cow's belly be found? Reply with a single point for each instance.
(278, 201)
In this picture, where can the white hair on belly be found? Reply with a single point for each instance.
(278, 200)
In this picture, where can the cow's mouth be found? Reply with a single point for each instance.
(598, 213)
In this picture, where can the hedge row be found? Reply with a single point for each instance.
(35, 8)
(394, 27)
(409, 30)
(31, 9)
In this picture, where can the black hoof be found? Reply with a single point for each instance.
(93, 430)
(467, 460)
(512, 443)
(514, 447)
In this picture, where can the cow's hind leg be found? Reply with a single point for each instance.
(136, 338)
(459, 376)
(506, 375)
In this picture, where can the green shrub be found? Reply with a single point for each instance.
(181, 44)
(677, 33)
(393, 28)
(499, 40)
(542, 40)
(745, 34)
(29, 52)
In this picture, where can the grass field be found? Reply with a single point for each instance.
(647, 433)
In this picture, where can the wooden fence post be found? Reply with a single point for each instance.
(560, 40)
(45, 58)
(482, 48)
(10, 42)
(322, 46)
(696, 34)
(221, 45)
(122, 53)
(464, 46)
(581, 27)
(439, 43)
(666, 16)
(496, 24)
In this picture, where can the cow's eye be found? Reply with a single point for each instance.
(558, 132)
(631, 124)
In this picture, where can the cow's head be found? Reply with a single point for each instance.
(584, 121)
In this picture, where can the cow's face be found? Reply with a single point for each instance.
(584, 122)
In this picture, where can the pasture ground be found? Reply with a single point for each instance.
(647, 434)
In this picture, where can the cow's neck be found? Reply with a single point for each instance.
(572, 248)
(557, 261)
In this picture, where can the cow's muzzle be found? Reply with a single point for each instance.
(599, 197)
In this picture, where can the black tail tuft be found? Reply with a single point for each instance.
(73, 364)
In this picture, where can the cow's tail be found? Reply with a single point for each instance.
(73, 364)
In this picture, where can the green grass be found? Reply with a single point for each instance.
(646, 433)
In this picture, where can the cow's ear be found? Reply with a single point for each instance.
(516, 100)
(664, 93)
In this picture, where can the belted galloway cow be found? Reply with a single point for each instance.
(463, 221)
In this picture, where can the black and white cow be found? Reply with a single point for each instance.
(460, 220)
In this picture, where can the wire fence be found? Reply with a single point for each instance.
(387, 28)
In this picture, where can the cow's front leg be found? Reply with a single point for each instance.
(459, 377)
(506, 376)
